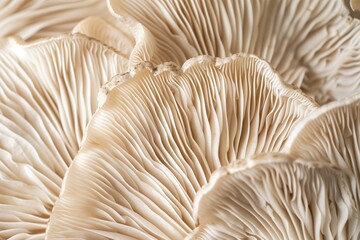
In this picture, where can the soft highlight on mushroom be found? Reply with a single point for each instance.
(276, 197)
(158, 136)
(313, 44)
(104, 136)
(331, 134)
(47, 96)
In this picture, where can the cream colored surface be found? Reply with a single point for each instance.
(332, 134)
(313, 44)
(35, 19)
(115, 34)
(130, 38)
(161, 132)
(276, 197)
(48, 94)
(158, 137)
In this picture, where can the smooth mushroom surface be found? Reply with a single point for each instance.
(48, 94)
(276, 197)
(159, 134)
(36, 19)
(313, 44)
(331, 134)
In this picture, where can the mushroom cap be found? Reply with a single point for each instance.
(47, 91)
(129, 38)
(331, 134)
(159, 134)
(116, 34)
(36, 19)
(313, 44)
(276, 197)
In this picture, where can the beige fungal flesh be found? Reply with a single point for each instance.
(313, 44)
(104, 136)
(158, 137)
(47, 94)
(277, 197)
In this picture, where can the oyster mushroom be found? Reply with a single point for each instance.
(47, 91)
(115, 34)
(276, 197)
(313, 44)
(129, 38)
(331, 134)
(36, 19)
(158, 136)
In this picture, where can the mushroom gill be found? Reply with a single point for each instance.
(36, 19)
(313, 44)
(158, 136)
(47, 91)
(129, 38)
(331, 134)
(276, 197)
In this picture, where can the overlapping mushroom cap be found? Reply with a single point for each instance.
(127, 37)
(276, 197)
(158, 137)
(48, 94)
(313, 44)
(332, 134)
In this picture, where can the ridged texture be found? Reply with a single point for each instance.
(276, 197)
(129, 38)
(313, 44)
(47, 95)
(112, 33)
(158, 137)
(332, 134)
(35, 19)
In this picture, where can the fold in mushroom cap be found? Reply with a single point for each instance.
(126, 36)
(313, 44)
(331, 134)
(48, 93)
(276, 197)
(158, 137)
(115, 34)
(35, 19)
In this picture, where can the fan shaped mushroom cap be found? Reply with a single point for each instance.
(313, 44)
(331, 134)
(47, 91)
(160, 134)
(276, 197)
(35, 19)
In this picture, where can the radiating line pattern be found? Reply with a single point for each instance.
(48, 93)
(313, 44)
(158, 137)
(277, 197)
